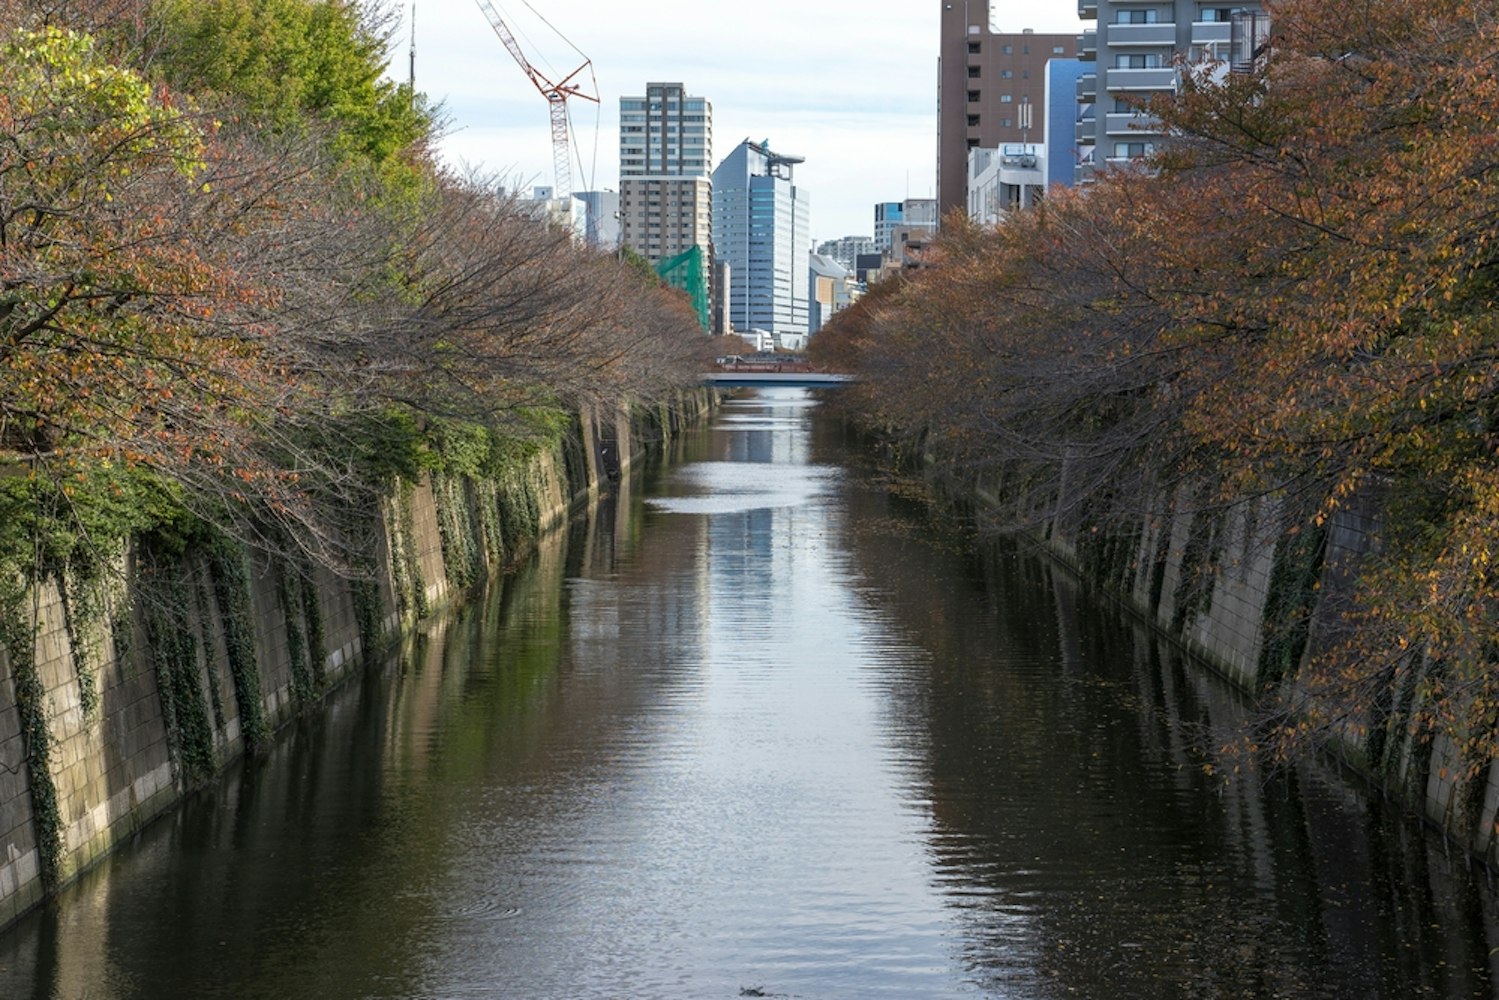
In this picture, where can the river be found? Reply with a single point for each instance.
(760, 727)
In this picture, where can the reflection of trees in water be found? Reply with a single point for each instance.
(1075, 828)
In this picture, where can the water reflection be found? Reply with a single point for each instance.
(761, 726)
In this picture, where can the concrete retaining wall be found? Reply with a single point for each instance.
(132, 725)
(1217, 581)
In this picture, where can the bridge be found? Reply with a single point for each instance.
(728, 378)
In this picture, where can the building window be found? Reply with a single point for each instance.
(1006, 123)
(973, 72)
(1137, 60)
(973, 121)
(973, 144)
(1009, 49)
(1006, 98)
(973, 97)
(1058, 50)
(1005, 74)
(1132, 150)
(1147, 16)
(973, 48)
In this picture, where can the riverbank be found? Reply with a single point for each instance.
(143, 686)
(1255, 597)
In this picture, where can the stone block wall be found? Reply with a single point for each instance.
(132, 728)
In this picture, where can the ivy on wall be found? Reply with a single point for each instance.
(231, 589)
(18, 636)
(174, 654)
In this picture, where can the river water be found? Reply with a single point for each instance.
(759, 728)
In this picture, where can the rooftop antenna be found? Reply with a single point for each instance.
(412, 77)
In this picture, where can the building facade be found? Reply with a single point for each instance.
(665, 163)
(846, 249)
(1136, 50)
(833, 288)
(762, 231)
(890, 216)
(991, 88)
(600, 213)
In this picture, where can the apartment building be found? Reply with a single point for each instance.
(1137, 50)
(665, 171)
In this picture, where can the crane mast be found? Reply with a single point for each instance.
(556, 94)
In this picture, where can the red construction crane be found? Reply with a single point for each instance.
(555, 93)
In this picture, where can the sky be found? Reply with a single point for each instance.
(850, 87)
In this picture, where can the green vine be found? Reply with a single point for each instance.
(174, 651)
(289, 597)
(83, 618)
(215, 700)
(411, 589)
(18, 636)
(231, 588)
(368, 616)
(317, 644)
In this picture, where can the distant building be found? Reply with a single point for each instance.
(887, 215)
(892, 215)
(544, 206)
(845, 249)
(665, 185)
(869, 268)
(761, 229)
(833, 288)
(600, 214)
(989, 87)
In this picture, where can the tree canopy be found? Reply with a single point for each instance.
(1295, 301)
(228, 262)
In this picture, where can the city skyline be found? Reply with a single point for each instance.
(857, 97)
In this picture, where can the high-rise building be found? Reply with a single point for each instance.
(1136, 49)
(761, 229)
(990, 90)
(665, 184)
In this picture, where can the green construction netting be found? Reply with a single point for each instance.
(688, 272)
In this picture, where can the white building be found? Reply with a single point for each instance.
(1004, 180)
(761, 229)
(600, 213)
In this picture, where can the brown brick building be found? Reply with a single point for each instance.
(988, 84)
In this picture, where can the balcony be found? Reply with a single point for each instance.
(1125, 35)
(1087, 87)
(1087, 10)
(1163, 78)
(1085, 132)
(1087, 45)
(1212, 33)
(1129, 124)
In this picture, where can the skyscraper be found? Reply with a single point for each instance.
(665, 188)
(762, 230)
(990, 86)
